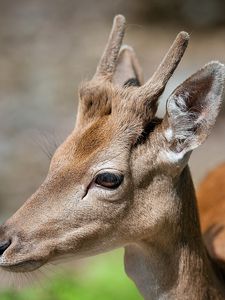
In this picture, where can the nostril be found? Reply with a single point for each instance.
(4, 245)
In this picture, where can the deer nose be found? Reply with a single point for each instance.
(4, 245)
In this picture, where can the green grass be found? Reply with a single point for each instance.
(102, 279)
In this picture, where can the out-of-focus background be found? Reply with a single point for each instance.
(47, 47)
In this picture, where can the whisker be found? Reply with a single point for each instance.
(50, 269)
(48, 142)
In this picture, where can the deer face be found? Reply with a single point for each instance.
(107, 183)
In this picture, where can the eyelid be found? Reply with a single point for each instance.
(106, 170)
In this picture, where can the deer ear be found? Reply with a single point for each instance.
(192, 109)
(128, 70)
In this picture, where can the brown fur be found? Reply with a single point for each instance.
(211, 202)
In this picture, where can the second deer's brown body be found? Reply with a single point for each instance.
(211, 203)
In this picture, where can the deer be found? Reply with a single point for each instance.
(211, 195)
(121, 178)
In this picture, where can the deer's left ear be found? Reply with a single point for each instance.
(128, 70)
(192, 109)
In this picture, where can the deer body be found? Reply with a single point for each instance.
(211, 202)
(175, 265)
(121, 179)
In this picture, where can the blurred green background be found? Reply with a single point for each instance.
(102, 279)
(47, 47)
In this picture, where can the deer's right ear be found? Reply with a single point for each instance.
(128, 70)
(192, 110)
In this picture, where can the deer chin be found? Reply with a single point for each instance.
(14, 262)
(22, 266)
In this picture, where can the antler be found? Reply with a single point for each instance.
(108, 60)
(155, 86)
(144, 104)
(98, 103)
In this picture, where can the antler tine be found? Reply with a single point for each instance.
(108, 60)
(156, 84)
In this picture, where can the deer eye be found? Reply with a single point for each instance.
(109, 180)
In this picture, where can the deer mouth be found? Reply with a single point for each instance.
(22, 266)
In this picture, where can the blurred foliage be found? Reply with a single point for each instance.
(104, 278)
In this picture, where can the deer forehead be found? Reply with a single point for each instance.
(96, 96)
(97, 147)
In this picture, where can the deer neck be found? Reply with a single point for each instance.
(174, 264)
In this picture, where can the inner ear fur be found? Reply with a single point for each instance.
(193, 107)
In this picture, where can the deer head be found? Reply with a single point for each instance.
(103, 189)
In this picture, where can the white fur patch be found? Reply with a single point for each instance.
(168, 134)
(171, 156)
